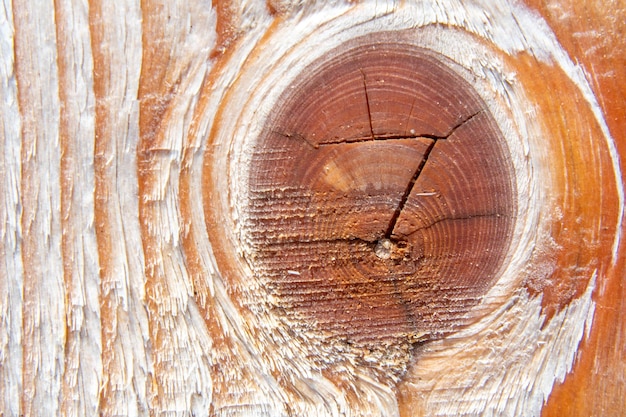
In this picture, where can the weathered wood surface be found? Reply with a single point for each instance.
(179, 232)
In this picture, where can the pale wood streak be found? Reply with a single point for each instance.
(43, 326)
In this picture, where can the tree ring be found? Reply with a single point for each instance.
(381, 196)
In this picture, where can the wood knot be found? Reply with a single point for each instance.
(382, 197)
(394, 250)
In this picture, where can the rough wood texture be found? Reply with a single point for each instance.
(380, 199)
(312, 208)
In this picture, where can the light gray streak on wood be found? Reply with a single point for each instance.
(11, 270)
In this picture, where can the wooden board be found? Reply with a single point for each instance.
(275, 208)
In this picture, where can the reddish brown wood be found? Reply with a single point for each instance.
(341, 273)
(382, 197)
(593, 33)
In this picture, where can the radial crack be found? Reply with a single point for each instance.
(392, 136)
(369, 110)
(373, 137)
(418, 171)
(407, 191)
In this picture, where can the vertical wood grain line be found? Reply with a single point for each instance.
(11, 269)
(174, 332)
(44, 312)
(116, 45)
(83, 348)
(225, 350)
(153, 102)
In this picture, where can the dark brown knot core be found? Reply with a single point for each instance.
(382, 196)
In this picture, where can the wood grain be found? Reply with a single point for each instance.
(379, 151)
(312, 208)
(592, 33)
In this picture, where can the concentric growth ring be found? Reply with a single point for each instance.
(402, 198)
(382, 196)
